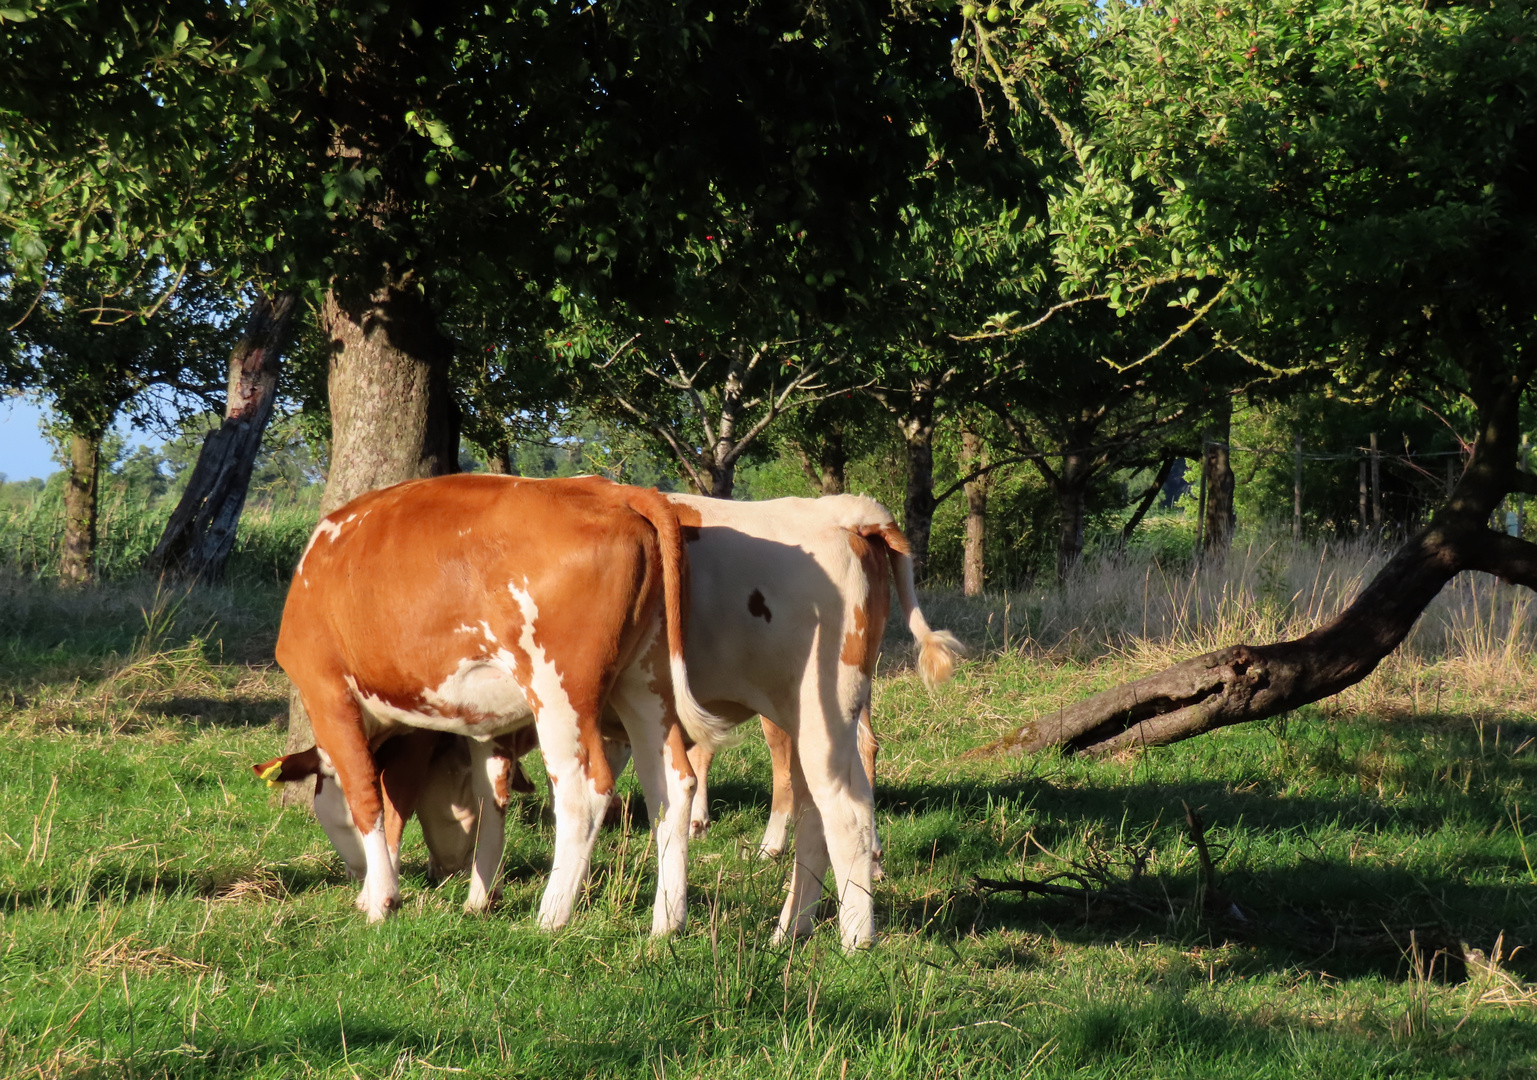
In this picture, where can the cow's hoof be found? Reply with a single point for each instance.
(377, 910)
(479, 905)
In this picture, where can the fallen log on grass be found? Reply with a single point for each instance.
(1242, 683)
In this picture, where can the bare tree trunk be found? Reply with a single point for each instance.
(1218, 464)
(1252, 682)
(916, 423)
(825, 461)
(499, 459)
(77, 558)
(974, 455)
(1072, 512)
(393, 416)
(201, 533)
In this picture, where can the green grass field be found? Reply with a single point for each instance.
(161, 916)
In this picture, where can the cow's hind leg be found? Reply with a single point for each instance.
(809, 874)
(581, 784)
(663, 766)
(868, 747)
(699, 758)
(338, 726)
(834, 777)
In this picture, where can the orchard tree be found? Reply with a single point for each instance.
(1359, 174)
(95, 351)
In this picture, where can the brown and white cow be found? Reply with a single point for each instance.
(823, 565)
(788, 603)
(886, 563)
(481, 605)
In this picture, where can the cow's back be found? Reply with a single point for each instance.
(776, 587)
(403, 587)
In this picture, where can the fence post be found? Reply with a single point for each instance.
(1376, 489)
(1297, 495)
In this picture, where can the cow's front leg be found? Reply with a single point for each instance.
(581, 784)
(338, 727)
(491, 771)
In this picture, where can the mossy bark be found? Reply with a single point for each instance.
(77, 555)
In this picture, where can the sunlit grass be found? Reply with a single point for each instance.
(161, 916)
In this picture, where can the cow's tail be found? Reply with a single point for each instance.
(938, 650)
(700, 725)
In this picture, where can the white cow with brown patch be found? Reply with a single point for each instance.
(484, 606)
(788, 603)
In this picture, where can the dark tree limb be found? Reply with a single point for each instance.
(1242, 683)
(200, 535)
(1146, 501)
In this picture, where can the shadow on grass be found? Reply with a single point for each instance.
(670, 1020)
(259, 711)
(1299, 903)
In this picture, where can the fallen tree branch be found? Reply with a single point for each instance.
(1243, 682)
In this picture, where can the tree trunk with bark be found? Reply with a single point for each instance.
(200, 535)
(974, 456)
(1242, 683)
(1070, 484)
(499, 459)
(77, 557)
(1217, 532)
(916, 424)
(393, 416)
(824, 460)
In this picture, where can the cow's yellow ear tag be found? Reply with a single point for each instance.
(270, 773)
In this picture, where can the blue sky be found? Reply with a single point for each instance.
(24, 453)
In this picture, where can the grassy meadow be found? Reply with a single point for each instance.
(1368, 909)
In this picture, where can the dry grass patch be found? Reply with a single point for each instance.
(131, 954)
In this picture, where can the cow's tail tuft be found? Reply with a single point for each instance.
(938, 650)
(700, 725)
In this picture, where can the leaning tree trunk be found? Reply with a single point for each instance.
(201, 533)
(77, 558)
(393, 416)
(1252, 682)
(1160, 478)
